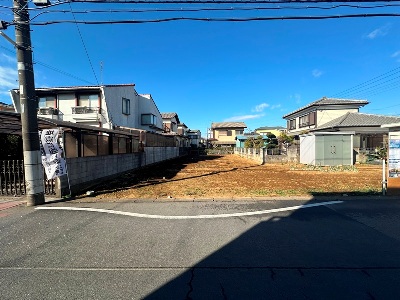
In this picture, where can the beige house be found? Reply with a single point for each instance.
(277, 130)
(320, 112)
(341, 116)
(224, 133)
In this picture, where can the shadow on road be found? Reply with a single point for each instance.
(309, 253)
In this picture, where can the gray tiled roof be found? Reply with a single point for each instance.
(330, 101)
(228, 125)
(359, 120)
(168, 115)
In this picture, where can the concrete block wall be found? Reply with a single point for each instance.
(154, 155)
(84, 172)
(250, 153)
(260, 155)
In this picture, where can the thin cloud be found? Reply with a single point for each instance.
(317, 73)
(8, 77)
(275, 106)
(7, 58)
(260, 107)
(396, 55)
(243, 118)
(381, 31)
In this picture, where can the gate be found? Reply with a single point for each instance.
(12, 179)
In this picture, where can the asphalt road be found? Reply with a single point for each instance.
(202, 250)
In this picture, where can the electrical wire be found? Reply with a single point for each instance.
(230, 8)
(52, 68)
(370, 83)
(381, 88)
(219, 1)
(84, 46)
(250, 19)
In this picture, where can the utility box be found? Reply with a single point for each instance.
(327, 148)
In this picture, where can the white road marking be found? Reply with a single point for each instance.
(241, 214)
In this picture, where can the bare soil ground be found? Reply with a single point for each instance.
(233, 177)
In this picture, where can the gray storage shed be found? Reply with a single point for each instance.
(327, 148)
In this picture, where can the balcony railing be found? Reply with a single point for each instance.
(85, 110)
(47, 111)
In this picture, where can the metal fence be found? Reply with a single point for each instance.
(12, 179)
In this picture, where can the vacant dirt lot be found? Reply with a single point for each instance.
(231, 176)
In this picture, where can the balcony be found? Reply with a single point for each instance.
(84, 113)
(47, 111)
(50, 113)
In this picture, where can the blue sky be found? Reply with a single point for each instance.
(206, 72)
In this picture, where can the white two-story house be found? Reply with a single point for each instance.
(106, 106)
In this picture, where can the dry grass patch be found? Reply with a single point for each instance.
(231, 176)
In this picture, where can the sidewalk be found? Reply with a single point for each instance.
(8, 202)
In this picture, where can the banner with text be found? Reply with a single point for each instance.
(53, 162)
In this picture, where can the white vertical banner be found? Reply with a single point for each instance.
(53, 162)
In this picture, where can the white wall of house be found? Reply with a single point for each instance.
(148, 106)
(106, 106)
(307, 149)
(114, 96)
(65, 102)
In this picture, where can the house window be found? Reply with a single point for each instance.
(304, 121)
(313, 117)
(126, 106)
(291, 124)
(223, 133)
(46, 101)
(149, 119)
(239, 132)
(89, 100)
(229, 132)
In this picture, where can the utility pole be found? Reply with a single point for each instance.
(30, 134)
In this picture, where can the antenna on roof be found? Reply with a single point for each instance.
(101, 73)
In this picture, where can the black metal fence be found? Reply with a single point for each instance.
(12, 179)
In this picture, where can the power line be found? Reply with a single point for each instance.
(365, 85)
(369, 84)
(379, 89)
(219, 1)
(250, 19)
(52, 68)
(84, 46)
(231, 8)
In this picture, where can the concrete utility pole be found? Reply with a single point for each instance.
(30, 135)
